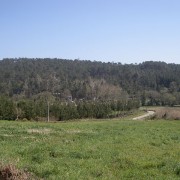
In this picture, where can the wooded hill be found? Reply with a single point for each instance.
(149, 83)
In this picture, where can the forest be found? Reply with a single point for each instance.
(74, 89)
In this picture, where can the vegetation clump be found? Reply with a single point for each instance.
(10, 172)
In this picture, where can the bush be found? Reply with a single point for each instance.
(7, 109)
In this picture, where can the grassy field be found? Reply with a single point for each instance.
(108, 149)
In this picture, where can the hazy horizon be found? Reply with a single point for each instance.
(87, 60)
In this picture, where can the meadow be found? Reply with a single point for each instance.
(91, 149)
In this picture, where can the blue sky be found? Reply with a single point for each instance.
(126, 31)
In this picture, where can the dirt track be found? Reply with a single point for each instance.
(148, 114)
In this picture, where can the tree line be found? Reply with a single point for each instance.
(38, 109)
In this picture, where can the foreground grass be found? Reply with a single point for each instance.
(93, 150)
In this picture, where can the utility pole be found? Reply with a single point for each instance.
(47, 111)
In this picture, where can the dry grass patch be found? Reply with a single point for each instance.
(73, 131)
(168, 113)
(10, 172)
(76, 131)
(7, 135)
(40, 131)
(31, 137)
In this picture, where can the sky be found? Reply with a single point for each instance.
(125, 31)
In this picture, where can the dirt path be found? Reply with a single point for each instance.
(148, 114)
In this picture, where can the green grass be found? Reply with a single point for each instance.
(113, 149)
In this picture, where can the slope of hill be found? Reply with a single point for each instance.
(86, 79)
